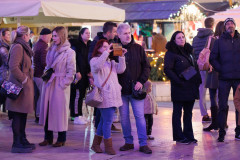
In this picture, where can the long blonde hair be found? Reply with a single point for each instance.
(62, 33)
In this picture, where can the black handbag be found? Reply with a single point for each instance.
(138, 94)
(212, 80)
(47, 74)
(188, 73)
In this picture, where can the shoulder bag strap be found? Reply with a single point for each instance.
(107, 77)
(209, 41)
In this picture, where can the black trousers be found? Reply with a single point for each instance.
(36, 97)
(213, 97)
(82, 93)
(49, 134)
(19, 121)
(223, 94)
(149, 123)
(187, 131)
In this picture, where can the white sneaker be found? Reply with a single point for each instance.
(79, 120)
(85, 119)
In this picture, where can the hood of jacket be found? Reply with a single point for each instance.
(173, 47)
(204, 32)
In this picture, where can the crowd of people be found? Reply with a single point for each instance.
(57, 72)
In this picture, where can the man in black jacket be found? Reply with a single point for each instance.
(225, 59)
(109, 33)
(137, 71)
(198, 44)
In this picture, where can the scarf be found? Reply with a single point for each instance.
(25, 46)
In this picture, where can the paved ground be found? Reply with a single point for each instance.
(79, 139)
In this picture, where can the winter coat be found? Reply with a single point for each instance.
(150, 104)
(57, 90)
(40, 52)
(225, 56)
(237, 102)
(82, 64)
(200, 40)
(4, 53)
(137, 67)
(111, 92)
(158, 43)
(24, 103)
(177, 60)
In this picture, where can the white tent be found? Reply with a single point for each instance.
(58, 11)
(230, 13)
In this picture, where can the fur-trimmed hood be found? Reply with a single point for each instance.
(173, 47)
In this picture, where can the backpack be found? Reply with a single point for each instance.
(203, 59)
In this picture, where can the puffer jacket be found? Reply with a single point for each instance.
(225, 56)
(177, 60)
(200, 40)
(4, 54)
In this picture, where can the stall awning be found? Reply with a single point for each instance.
(150, 10)
(161, 10)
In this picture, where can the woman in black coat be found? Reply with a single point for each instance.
(181, 68)
(81, 82)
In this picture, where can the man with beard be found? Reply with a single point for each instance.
(225, 59)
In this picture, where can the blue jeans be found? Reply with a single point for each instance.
(138, 111)
(105, 124)
(202, 94)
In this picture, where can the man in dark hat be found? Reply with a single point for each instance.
(225, 59)
(39, 59)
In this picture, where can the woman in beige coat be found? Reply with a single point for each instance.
(103, 68)
(21, 74)
(56, 91)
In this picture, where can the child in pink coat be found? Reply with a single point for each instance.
(150, 108)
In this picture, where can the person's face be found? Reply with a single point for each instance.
(112, 34)
(230, 27)
(56, 38)
(180, 39)
(125, 36)
(26, 37)
(104, 47)
(7, 36)
(86, 35)
(48, 38)
(31, 35)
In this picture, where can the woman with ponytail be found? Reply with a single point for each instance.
(21, 73)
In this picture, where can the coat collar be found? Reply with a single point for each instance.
(60, 54)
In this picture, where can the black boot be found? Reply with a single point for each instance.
(18, 147)
(25, 142)
(213, 125)
(222, 134)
